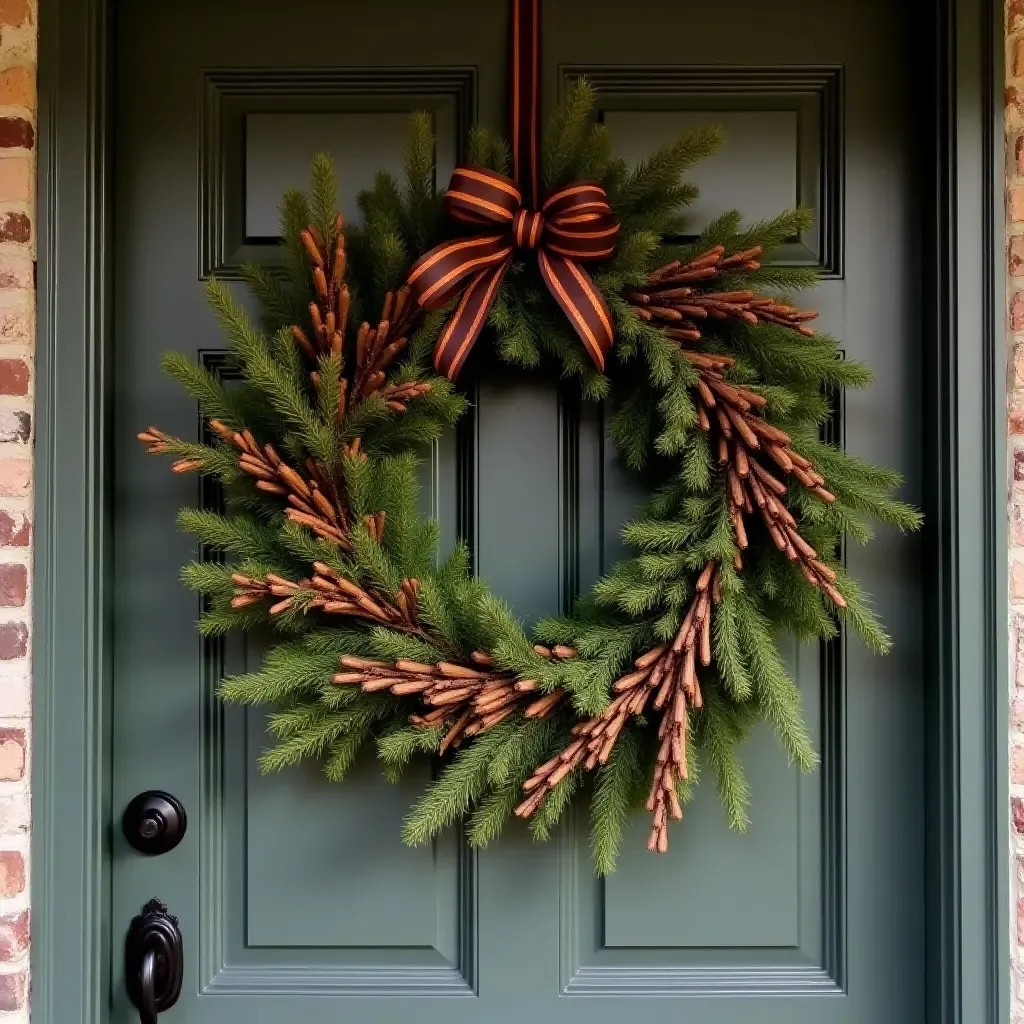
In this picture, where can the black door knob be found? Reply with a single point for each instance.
(154, 822)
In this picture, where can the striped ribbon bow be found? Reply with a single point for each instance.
(575, 224)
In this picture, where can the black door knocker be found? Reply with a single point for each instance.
(153, 961)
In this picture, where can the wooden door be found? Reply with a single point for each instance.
(296, 898)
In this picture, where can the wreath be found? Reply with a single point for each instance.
(717, 391)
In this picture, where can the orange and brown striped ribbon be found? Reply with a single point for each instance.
(574, 225)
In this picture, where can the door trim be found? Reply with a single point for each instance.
(968, 954)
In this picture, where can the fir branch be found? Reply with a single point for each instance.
(215, 400)
(565, 134)
(486, 149)
(419, 204)
(460, 785)
(617, 781)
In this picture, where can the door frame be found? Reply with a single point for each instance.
(968, 928)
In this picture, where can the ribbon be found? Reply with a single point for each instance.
(574, 225)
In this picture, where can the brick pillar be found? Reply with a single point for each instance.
(1014, 121)
(17, 386)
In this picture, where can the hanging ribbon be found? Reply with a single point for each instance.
(574, 225)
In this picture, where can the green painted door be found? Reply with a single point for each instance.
(297, 901)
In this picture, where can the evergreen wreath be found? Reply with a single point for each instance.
(717, 391)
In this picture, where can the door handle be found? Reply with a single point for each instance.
(153, 961)
(154, 822)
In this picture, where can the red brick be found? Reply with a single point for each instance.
(1017, 581)
(15, 814)
(15, 181)
(1017, 311)
(15, 227)
(1017, 520)
(15, 426)
(13, 640)
(14, 585)
(1017, 765)
(16, 272)
(14, 935)
(12, 873)
(13, 987)
(1016, 197)
(16, 326)
(1017, 712)
(16, 529)
(1016, 255)
(1018, 365)
(12, 755)
(13, 377)
(18, 88)
(15, 476)
(15, 12)
(16, 133)
(1017, 632)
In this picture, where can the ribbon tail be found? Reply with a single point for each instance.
(466, 323)
(437, 276)
(582, 303)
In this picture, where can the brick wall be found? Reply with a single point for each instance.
(1015, 379)
(1015, 482)
(17, 328)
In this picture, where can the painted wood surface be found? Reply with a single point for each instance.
(516, 927)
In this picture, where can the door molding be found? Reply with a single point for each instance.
(967, 881)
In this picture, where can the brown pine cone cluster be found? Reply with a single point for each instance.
(665, 679)
(375, 347)
(672, 298)
(469, 699)
(334, 594)
(729, 413)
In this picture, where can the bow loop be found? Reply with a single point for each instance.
(580, 202)
(580, 222)
(479, 196)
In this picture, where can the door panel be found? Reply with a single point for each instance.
(296, 897)
(280, 146)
